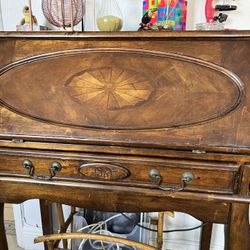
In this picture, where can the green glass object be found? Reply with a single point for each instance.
(109, 17)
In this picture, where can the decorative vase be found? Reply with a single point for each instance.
(109, 16)
(63, 13)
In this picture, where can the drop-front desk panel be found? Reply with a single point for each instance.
(128, 122)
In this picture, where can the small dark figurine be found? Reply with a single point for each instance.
(146, 18)
(225, 7)
(26, 16)
(221, 17)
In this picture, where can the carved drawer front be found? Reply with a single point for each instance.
(165, 174)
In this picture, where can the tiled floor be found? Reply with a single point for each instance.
(12, 243)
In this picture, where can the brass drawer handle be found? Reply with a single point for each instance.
(186, 178)
(54, 169)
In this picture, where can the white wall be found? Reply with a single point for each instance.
(132, 12)
(1, 18)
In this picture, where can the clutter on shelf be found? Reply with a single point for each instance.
(215, 19)
(29, 21)
(64, 13)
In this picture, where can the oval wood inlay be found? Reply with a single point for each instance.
(103, 171)
(119, 89)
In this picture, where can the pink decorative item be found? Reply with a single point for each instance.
(209, 11)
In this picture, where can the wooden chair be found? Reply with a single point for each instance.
(52, 241)
(205, 237)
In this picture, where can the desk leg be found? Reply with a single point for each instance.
(206, 234)
(46, 217)
(238, 228)
(3, 239)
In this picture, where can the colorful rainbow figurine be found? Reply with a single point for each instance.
(146, 18)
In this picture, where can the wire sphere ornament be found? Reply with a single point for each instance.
(63, 13)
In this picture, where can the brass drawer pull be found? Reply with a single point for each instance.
(54, 169)
(186, 178)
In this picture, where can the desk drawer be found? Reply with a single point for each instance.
(219, 177)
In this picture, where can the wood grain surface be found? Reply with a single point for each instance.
(109, 109)
(189, 91)
(105, 88)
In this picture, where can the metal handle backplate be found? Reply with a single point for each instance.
(186, 178)
(54, 169)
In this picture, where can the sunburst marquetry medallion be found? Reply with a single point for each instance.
(109, 87)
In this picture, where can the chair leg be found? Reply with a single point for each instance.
(46, 217)
(205, 238)
(160, 230)
(50, 245)
(3, 239)
(64, 224)
(63, 229)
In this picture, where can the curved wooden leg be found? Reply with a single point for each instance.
(206, 234)
(3, 239)
(238, 228)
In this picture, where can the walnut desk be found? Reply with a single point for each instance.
(128, 122)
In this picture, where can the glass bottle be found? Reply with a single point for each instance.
(109, 16)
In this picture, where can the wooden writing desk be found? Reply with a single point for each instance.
(107, 121)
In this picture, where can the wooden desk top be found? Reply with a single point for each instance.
(169, 90)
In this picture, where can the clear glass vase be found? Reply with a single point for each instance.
(109, 16)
